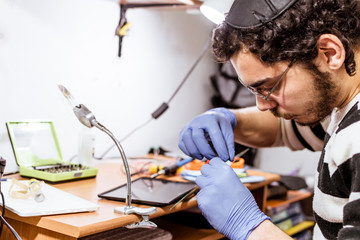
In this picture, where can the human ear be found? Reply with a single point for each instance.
(331, 53)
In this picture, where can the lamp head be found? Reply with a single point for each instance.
(215, 10)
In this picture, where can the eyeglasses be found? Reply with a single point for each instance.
(264, 92)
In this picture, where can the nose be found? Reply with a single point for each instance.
(264, 105)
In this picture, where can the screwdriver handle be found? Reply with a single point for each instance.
(173, 167)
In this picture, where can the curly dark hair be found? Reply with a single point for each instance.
(294, 35)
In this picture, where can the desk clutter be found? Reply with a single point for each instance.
(94, 224)
(159, 192)
(188, 171)
(21, 198)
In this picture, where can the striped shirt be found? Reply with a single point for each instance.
(337, 187)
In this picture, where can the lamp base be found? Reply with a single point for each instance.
(144, 212)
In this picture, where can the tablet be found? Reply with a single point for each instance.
(150, 191)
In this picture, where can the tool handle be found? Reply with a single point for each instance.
(173, 167)
(184, 161)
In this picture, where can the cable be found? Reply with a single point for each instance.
(16, 235)
(2, 212)
(128, 135)
(2, 216)
(207, 45)
(2, 168)
(164, 106)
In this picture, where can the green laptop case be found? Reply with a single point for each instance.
(38, 155)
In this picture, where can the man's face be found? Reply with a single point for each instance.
(301, 95)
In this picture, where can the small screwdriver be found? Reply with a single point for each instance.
(196, 189)
(172, 168)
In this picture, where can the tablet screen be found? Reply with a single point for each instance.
(155, 192)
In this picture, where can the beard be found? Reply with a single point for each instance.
(323, 99)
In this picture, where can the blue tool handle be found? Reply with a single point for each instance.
(184, 161)
(173, 167)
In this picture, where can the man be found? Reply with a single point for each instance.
(299, 58)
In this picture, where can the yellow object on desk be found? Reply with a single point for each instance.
(25, 191)
(154, 168)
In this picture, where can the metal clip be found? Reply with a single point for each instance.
(143, 212)
(145, 223)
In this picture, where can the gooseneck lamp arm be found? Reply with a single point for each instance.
(123, 156)
(87, 118)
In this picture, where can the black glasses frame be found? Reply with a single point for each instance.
(265, 93)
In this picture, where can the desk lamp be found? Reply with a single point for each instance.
(87, 118)
(215, 10)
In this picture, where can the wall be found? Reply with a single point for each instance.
(44, 43)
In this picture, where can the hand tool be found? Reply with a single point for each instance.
(238, 161)
(192, 192)
(172, 168)
(196, 189)
(240, 154)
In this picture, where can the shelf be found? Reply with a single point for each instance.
(187, 2)
(291, 196)
(177, 4)
(285, 215)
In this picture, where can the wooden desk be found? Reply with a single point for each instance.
(74, 226)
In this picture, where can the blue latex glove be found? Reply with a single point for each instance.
(225, 202)
(219, 124)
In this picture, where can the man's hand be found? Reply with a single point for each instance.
(219, 124)
(225, 202)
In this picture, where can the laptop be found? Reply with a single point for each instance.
(38, 155)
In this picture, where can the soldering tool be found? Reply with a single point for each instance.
(172, 168)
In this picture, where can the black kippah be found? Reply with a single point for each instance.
(253, 13)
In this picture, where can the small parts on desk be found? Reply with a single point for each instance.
(161, 166)
(187, 164)
(20, 190)
(154, 168)
(238, 160)
(157, 166)
(192, 170)
(197, 164)
(238, 163)
(172, 168)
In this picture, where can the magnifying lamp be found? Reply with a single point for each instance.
(87, 118)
